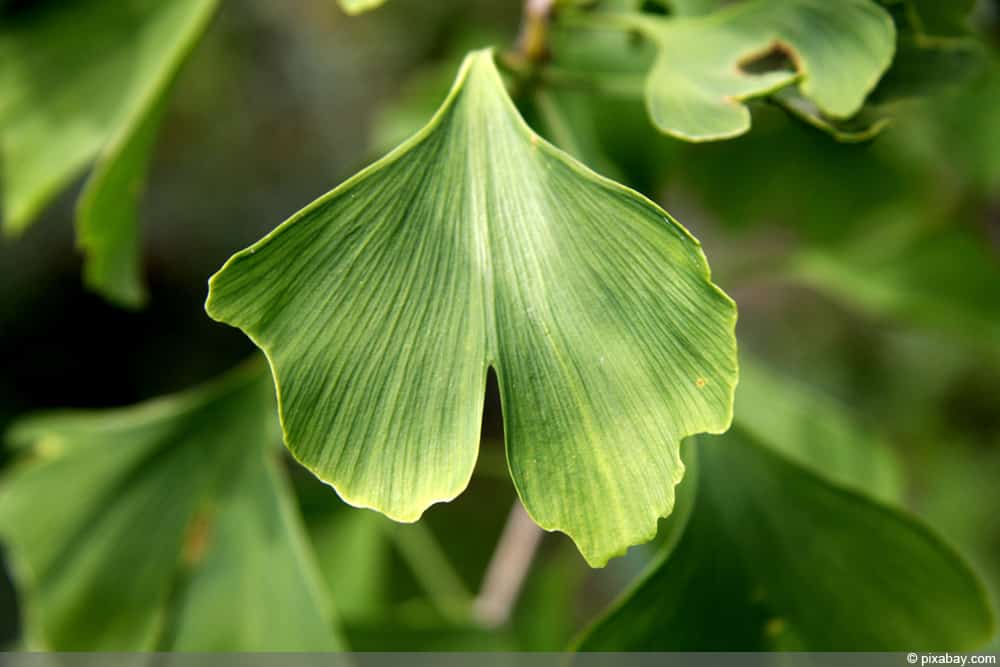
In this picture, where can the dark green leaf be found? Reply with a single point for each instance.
(775, 557)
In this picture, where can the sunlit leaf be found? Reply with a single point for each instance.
(775, 557)
(166, 525)
(707, 66)
(473, 245)
(354, 7)
(81, 80)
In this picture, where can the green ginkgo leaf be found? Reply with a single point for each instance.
(473, 245)
(775, 557)
(85, 79)
(702, 75)
(167, 525)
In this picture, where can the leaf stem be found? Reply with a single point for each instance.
(508, 568)
(431, 568)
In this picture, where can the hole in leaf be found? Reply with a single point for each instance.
(778, 57)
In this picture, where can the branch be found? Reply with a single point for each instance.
(508, 568)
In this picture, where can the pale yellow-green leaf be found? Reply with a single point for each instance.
(699, 82)
(354, 7)
(473, 245)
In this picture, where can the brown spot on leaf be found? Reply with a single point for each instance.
(196, 538)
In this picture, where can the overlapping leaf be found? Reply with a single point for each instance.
(698, 84)
(165, 525)
(775, 557)
(473, 245)
(85, 79)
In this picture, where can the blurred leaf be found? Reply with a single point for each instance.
(693, 7)
(544, 617)
(477, 244)
(107, 214)
(813, 430)
(934, 18)
(80, 80)
(356, 576)
(962, 132)
(705, 64)
(775, 557)
(416, 101)
(922, 70)
(566, 121)
(354, 7)
(165, 525)
(940, 275)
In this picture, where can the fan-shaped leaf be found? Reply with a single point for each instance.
(477, 244)
(703, 74)
(164, 525)
(85, 79)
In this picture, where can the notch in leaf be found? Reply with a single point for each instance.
(476, 244)
(698, 85)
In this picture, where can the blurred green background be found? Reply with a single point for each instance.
(869, 271)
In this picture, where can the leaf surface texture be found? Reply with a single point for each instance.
(475, 244)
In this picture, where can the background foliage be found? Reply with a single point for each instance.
(865, 273)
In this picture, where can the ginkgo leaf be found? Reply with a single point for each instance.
(476, 244)
(775, 557)
(165, 525)
(702, 75)
(354, 7)
(80, 80)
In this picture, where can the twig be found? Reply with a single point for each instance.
(533, 40)
(508, 568)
